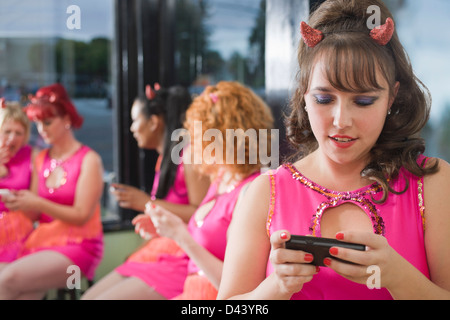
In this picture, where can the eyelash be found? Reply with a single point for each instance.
(362, 103)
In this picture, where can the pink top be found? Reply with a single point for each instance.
(15, 226)
(178, 192)
(19, 175)
(65, 194)
(211, 233)
(82, 244)
(298, 203)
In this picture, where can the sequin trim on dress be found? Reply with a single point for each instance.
(272, 202)
(335, 199)
(421, 201)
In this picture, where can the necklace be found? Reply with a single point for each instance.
(56, 175)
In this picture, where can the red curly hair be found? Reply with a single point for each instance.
(231, 105)
(53, 101)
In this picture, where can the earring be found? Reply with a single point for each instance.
(67, 126)
(389, 112)
(306, 109)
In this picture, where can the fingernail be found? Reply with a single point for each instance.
(309, 257)
(317, 269)
(340, 236)
(334, 251)
(283, 236)
(327, 261)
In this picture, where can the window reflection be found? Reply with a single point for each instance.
(422, 26)
(220, 40)
(43, 42)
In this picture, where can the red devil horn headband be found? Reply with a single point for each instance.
(381, 35)
(311, 36)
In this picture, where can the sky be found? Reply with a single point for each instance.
(48, 18)
(231, 22)
(423, 29)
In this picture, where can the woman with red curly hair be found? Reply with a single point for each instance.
(196, 273)
(66, 188)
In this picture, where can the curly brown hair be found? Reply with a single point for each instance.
(353, 60)
(227, 106)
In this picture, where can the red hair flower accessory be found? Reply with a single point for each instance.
(150, 93)
(214, 98)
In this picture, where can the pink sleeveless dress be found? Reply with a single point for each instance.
(15, 226)
(178, 193)
(81, 244)
(211, 233)
(297, 205)
(136, 265)
(168, 274)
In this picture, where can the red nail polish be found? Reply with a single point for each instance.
(340, 236)
(317, 269)
(327, 261)
(334, 251)
(283, 236)
(309, 257)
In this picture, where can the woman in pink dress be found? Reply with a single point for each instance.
(361, 177)
(15, 174)
(67, 185)
(176, 187)
(195, 274)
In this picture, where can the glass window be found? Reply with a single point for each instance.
(220, 40)
(422, 26)
(48, 41)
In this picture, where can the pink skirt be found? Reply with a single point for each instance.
(87, 255)
(15, 228)
(166, 275)
(198, 287)
(152, 250)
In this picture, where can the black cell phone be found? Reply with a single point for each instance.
(320, 247)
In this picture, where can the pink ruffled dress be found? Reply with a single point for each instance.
(297, 205)
(81, 244)
(15, 226)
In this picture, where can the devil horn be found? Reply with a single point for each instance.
(149, 92)
(2, 103)
(383, 34)
(311, 36)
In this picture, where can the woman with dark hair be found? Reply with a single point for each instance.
(176, 187)
(359, 176)
(66, 187)
(155, 117)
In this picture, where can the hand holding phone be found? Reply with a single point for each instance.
(320, 247)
